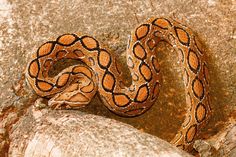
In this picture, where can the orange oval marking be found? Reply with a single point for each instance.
(33, 68)
(193, 61)
(66, 39)
(142, 31)
(142, 93)
(139, 51)
(146, 72)
(182, 36)
(108, 82)
(121, 100)
(191, 133)
(163, 23)
(62, 80)
(155, 64)
(45, 49)
(104, 59)
(83, 70)
(44, 86)
(89, 42)
(200, 113)
(89, 88)
(198, 88)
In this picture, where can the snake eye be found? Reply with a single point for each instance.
(67, 39)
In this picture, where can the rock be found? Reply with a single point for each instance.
(61, 133)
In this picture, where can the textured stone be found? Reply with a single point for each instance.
(72, 134)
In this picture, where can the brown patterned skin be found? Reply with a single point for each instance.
(76, 85)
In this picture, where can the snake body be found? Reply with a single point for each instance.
(76, 85)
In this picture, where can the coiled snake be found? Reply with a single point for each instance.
(76, 85)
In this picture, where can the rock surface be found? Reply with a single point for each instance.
(221, 144)
(72, 134)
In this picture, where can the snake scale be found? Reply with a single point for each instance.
(76, 85)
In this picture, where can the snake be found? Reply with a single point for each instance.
(100, 72)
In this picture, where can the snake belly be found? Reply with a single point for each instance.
(76, 85)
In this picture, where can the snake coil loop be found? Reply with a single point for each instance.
(76, 85)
